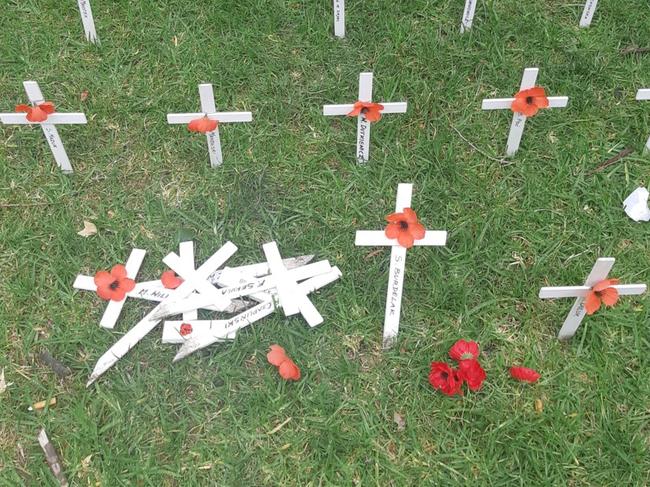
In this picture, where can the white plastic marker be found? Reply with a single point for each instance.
(598, 273)
(148, 323)
(644, 94)
(339, 18)
(397, 262)
(88, 21)
(519, 120)
(210, 110)
(292, 299)
(114, 308)
(363, 125)
(468, 15)
(221, 329)
(588, 13)
(49, 126)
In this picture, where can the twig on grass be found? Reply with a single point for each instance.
(613, 160)
(52, 458)
(502, 161)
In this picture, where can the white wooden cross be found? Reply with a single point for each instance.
(339, 18)
(397, 262)
(210, 110)
(588, 13)
(88, 21)
(49, 126)
(598, 273)
(519, 120)
(363, 126)
(644, 94)
(468, 15)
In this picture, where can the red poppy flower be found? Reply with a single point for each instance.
(37, 113)
(170, 279)
(113, 285)
(528, 102)
(464, 350)
(405, 227)
(370, 111)
(445, 379)
(603, 293)
(185, 329)
(471, 372)
(203, 125)
(287, 368)
(524, 374)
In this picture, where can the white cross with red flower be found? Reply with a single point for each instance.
(519, 119)
(208, 122)
(359, 109)
(596, 287)
(398, 255)
(48, 124)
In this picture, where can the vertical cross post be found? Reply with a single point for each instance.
(468, 15)
(88, 21)
(339, 18)
(588, 13)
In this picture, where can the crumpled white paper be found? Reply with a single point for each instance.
(636, 205)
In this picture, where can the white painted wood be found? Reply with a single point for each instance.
(598, 273)
(588, 13)
(186, 253)
(397, 263)
(144, 326)
(292, 299)
(339, 18)
(363, 126)
(468, 16)
(506, 103)
(172, 331)
(223, 328)
(114, 308)
(643, 94)
(88, 21)
(35, 97)
(221, 117)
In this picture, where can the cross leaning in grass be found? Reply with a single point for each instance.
(366, 112)
(398, 258)
(47, 119)
(598, 275)
(519, 119)
(208, 122)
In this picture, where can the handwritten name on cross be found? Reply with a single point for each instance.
(518, 120)
(588, 13)
(88, 21)
(468, 15)
(48, 126)
(397, 262)
(210, 110)
(339, 18)
(363, 125)
(601, 269)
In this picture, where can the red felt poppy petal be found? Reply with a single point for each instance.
(405, 239)
(609, 296)
(463, 350)
(417, 231)
(118, 294)
(289, 370)
(103, 279)
(276, 355)
(541, 101)
(524, 374)
(604, 284)
(23, 108)
(127, 285)
(356, 111)
(410, 216)
(372, 115)
(392, 230)
(471, 372)
(118, 271)
(519, 105)
(536, 91)
(592, 302)
(36, 115)
(47, 107)
(105, 293)
(395, 217)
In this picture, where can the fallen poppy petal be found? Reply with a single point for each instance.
(289, 370)
(464, 350)
(471, 372)
(185, 329)
(592, 302)
(524, 374)
(276, 356)
(445, 379)
(609, 296)
(170, 280)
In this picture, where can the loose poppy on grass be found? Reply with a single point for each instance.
(37, 113)
(170, 279)
(445, 379)
(202, 125)
(464, 350)
(528, 102)
(287, 368)
(471, 372)
(113, 285)
(602, 292)
(405, 227)
(371, 111)
(524, 374)
(185, 329)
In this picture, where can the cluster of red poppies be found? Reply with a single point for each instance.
(450, 381)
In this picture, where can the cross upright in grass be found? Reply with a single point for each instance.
(588, 13)
(601, 269)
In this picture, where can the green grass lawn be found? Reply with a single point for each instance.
(537, 219)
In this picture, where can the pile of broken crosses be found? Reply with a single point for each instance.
(248, 293)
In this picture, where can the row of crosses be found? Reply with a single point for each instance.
(209, 112)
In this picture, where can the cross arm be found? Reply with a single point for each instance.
(581, 291)
(54, 119)
(396, 107)
(504, 103)
(378, 238)
(221, 117)
(643, 94)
